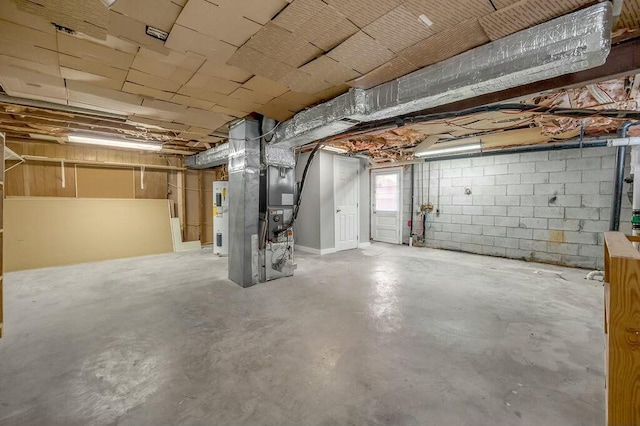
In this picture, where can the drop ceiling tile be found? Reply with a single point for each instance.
(200, 93)
(305, 99)
(300, 13)
(183, 39)
(329, 70)
(85, 49)
(28, 36)
(395, 68)
(283, 46)
(448, 13)
(266, 86)
(162, 69)
(161, 14)
(90, 17)
(458, 39)
(91, 67)
(238, 105)
(398, 29)
(203, 118)
(260, 11)
(134, 31)
(525, 14)
(152, 81)
(285, 104)
(361, 53)
(224, 87)
(10, 13)
(630, 15)
(88, 94)
(146, 92)
(363, 12)
(333, 92)
(300, 81)
(224, 72)
(29, 84)
(93, 79)
(48, 69)
(258, 63)
(248, 95)
(226, 24)
(28, 52)
(275, 112)
(161, 110)
(229, 111)
(192, 102)
(332, 36)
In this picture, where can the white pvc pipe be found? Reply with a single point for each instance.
(623, 141)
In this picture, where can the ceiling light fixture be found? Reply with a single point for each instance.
(116, 143)
(450, 150)
(335, 149)
(425, 20)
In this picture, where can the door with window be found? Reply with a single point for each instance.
(346, 194)
(386, 209)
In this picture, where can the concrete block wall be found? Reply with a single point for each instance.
(550, 206)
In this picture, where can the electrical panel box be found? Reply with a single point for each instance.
(221, 218)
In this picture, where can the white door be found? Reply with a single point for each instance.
(386, 209)
(346, 192)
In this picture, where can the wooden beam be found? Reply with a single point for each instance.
(100, 163)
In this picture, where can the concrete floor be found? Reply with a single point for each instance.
(382, 336)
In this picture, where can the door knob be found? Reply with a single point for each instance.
(338, 211)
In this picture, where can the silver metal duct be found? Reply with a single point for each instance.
(572, 43)
(213, 157)
(327, 119)
(244, 200)
(565, 45)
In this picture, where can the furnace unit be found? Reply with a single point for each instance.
(221, 218)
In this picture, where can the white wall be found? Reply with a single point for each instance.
(307, 226)
(315, 228)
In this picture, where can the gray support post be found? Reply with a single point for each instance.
(244, 198)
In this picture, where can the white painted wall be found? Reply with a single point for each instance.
(315, 228)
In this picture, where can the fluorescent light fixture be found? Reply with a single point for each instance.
(116, 143)
(335, 149)
(450, 150)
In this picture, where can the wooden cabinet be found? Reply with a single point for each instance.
(622, 328)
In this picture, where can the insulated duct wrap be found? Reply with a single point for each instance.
(213, 157)
(280, 156)
(327, 119)
(564, 45)
(571, 43)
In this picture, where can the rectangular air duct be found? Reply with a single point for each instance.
(569, 44)
(213, 157)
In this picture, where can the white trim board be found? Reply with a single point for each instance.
(326, 251)
(315, 250)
